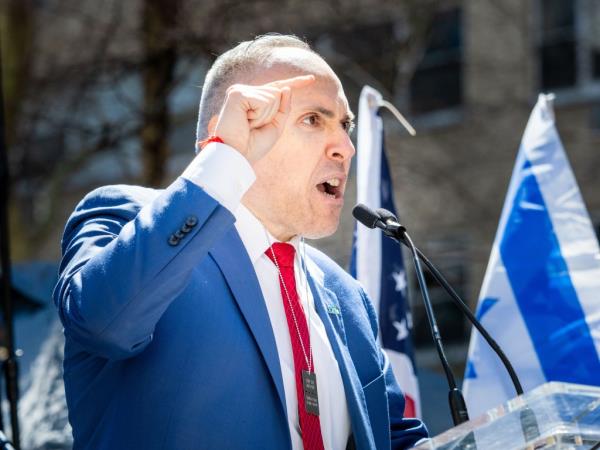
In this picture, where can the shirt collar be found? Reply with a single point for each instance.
(254, 235)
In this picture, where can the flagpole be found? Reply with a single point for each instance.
(398, 115)
(10, 363)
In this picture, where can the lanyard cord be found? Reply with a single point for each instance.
(308, 358)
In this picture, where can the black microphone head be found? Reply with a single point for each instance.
(386, 215)
(393, 227)
(365, 215)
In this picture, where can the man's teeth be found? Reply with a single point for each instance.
(335, 182)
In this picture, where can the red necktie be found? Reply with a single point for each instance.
(284, 259)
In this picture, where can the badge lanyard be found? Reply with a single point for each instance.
(309, 377)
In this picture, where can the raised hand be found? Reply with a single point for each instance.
(253, 117)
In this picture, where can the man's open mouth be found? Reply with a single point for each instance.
(332, 188)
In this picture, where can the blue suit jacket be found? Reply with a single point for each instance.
(168, 339)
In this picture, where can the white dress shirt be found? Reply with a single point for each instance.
(206, 170)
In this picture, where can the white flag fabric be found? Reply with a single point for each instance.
(377, 263)
(540, 297)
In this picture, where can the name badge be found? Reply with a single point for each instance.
(311, 397)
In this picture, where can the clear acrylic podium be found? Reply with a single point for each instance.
(552, 416)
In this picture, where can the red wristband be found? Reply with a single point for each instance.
(210, 139)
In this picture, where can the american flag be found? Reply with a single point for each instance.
(377, 261)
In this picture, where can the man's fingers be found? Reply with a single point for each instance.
(266, 115)
(294, 82)
(266, 111)
(286, 100)
(261, 106)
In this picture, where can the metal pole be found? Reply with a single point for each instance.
(10, 364)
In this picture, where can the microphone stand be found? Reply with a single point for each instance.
(397, 232)
(467, 311)
(10, 363)
(388, 223)
(528, 420)
(458, 408)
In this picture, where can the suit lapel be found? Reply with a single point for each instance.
(232, 258)
(326, 303)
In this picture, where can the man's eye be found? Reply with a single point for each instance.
(348, 126)
(311, 120)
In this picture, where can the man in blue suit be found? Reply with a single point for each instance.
(196, 317)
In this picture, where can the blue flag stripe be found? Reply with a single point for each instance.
(545, 295)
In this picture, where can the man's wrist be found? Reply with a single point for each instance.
(208, 140)
(207, 168)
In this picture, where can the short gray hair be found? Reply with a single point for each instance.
(229, 67)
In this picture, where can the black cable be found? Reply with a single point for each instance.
(467, 311)
(10, 364)
(435, 332)
(458, 407)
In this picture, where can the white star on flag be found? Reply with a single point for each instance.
(400, 279)
(402, 329)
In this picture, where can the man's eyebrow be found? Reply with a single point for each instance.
(330, 114)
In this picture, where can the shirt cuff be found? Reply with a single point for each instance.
(207, 170)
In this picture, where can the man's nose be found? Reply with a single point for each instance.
(342, 149)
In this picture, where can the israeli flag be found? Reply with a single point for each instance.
(376, 261)
(540, 297)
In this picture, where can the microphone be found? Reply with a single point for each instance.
(393, 227)
(385, 221)
(371, 219)
(367, 217)
(386, 216)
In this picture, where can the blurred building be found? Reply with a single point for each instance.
(466, 74)
(469, 99)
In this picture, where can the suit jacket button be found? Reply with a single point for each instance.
(173, 240)
(179, 235)
(191, 221)
(186, 228)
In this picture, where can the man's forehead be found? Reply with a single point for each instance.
(330, 106)
(290, 62)
(298, 59)
(287, 62)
